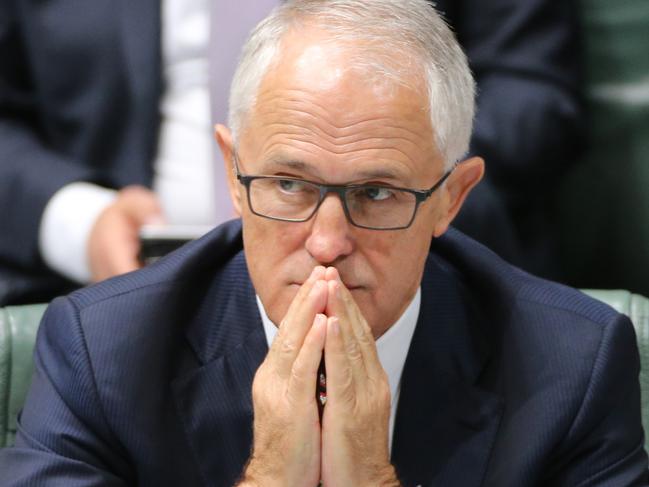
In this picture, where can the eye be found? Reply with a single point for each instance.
(291, 186)
(375, 193)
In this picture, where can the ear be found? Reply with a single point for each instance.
(223, 137)
(458, 186)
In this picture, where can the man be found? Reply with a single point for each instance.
(117, 95)
(443, 365)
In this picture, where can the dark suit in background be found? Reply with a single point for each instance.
(525, 57)
(80, 86)
(510, 381)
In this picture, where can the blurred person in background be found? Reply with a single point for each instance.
(444, 364)
(105, 126)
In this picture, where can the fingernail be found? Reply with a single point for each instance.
(335, 288)
(334, 326)
(317, 288)
(320, 320)
(333, 273)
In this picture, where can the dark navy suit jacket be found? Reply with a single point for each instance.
(510, 381)
(80, 86)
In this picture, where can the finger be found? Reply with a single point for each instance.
(112, 248)
(286, 331)
(310, 300)
(302, 384)
(340, 377)
(141, 205)
(340, 303)
(332, 274)
(123, 259)
(351, 344)
(296, 325)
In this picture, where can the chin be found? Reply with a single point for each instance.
(365, 304)
(277, 302)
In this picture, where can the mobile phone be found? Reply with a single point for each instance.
(158, 240)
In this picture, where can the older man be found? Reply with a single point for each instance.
(396, 362)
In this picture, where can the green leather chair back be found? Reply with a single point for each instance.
(635, 307)
(18, 326)
(603, 206)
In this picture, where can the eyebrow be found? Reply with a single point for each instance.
(298, 165)
(281, 163)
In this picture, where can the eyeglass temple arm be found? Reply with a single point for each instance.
(441, 181)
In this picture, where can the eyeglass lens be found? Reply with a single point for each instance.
(368, 206)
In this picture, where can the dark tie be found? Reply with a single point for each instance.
(321, 388)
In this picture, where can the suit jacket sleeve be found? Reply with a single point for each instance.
(63, 436)
(525, 57)
(30, 170)
(605, 445)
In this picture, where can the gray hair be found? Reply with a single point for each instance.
(395, 38)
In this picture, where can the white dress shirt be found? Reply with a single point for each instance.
(184, 167)
(392, 348)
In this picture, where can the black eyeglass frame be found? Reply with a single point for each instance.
(420, 195)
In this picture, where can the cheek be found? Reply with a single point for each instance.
(272, 255)
(397, 263)
(395, 255)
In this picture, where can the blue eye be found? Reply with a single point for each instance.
(377, 194)
(291, 186)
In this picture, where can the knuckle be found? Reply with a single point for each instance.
(365, 339)
(134, 190)
(258, 390)
(263, 373)
(353, 351)
(128, 194)
(284, 343)
(259, 377)
(366, 326)
(297, 375)
(344, 384)
(347, 383)
(382, 390)
(287, 346)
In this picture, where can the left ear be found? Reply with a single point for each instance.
(458, 186)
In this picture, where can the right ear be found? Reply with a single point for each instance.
(460, 183)
(223, 137)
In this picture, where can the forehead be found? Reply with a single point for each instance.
(313, 65)
(320, 101)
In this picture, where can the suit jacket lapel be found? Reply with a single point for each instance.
(214, 395)
(445, 424)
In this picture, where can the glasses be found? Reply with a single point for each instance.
(370, 206)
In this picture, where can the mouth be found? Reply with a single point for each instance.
(353, 288)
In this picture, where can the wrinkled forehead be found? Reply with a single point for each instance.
(325, 90)
(320, 60)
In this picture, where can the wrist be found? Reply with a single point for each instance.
(256, 474)
(387, 477)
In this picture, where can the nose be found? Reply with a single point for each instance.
(329, 238)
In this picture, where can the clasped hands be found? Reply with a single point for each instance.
(292, 446)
